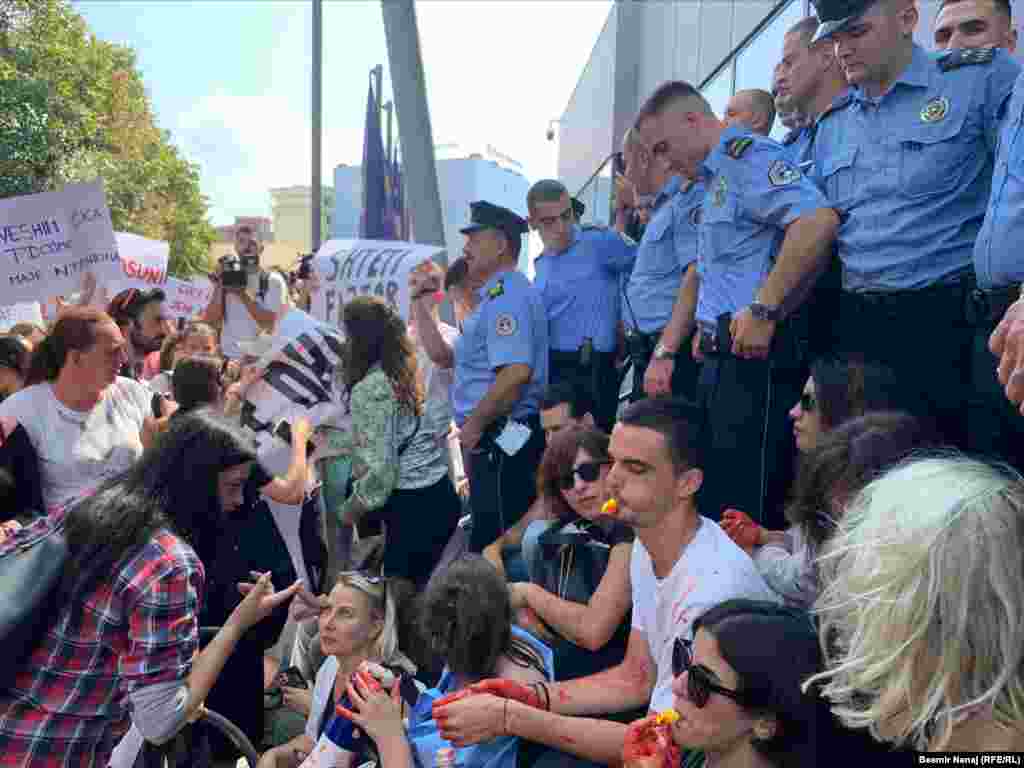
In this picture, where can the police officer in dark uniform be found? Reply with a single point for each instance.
(906, 158)
(578, 276)
(764, 230)
(501, 372)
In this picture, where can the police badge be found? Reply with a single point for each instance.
(782, 173)
(935, 110)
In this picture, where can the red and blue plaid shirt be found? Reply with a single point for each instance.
(138, 627)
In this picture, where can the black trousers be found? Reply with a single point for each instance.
(685, 372)
(599, 382)
(995, 427)
(502, 487)
(924, 337)
(748, 444)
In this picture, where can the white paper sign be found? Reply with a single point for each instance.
(143, 261)
(350, 268)
(50, 240)
(27, 312)
(301, 377)
(187, 298)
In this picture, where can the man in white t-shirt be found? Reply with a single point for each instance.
(682, 564)
(245, 312)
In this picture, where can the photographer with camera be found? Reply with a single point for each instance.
(246, 298)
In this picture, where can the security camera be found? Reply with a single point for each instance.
(551, 133)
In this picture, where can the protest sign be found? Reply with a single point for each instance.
(187, 298)
(300, 378)
(50, 240)
(143, 261)
(27, 312)
(350, 268)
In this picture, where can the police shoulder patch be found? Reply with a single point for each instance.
(955, 58)
(737, 147)
(781, 173)
(505, 325)
(496, 290)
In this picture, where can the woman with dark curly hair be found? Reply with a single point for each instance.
(401, 474)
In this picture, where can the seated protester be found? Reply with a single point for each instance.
(737, 705)
(467, 619)
(15, 357)
(563, 406)
(194, 339)
(578, 597)
(358, 624)
(920, 608)
(401, 475)
(681, 565)
(844, 461)
(76, 423)
(30, 332)
(139, 315)
(124, 649)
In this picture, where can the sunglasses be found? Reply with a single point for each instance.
(807, 403)
(588, 472)
(700, 682)
(369, 578)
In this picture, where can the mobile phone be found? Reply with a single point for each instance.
(283, 430)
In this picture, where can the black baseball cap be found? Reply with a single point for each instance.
(835, 15)
(485, 215)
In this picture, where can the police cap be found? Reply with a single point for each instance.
(835, 15)
(484, 215)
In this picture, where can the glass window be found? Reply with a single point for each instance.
(756, 63)
(719, 90)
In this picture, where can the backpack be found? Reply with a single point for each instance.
(31, 566)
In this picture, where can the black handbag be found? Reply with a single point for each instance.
(31, 565)
(572, 562)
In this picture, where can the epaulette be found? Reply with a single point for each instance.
(955, 58)
(496, 290)
(737, 147)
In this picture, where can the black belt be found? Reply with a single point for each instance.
(573, 358)
(931, 295)
(986, 306)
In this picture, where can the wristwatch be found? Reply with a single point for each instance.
(661, 352)
(764, 312)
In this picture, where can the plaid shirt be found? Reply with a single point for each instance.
(139, 627)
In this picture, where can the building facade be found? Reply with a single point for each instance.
(292, 213)
(723, 46)
(461, 180)
(261, 225)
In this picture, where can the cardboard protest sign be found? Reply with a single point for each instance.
(300, 378)
(27, 312)
(350, 268)
(50, 240)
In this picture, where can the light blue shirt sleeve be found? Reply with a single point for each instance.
(686, 221)
(509, 328)
(776, 192)
(619, 254)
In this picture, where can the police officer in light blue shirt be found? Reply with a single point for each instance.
(663, 277)
(578, 276)
(765, 229)
(907, 161)
(995, 425)
(500, 375)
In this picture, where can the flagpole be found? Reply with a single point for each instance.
(316, 192)
(389, 108)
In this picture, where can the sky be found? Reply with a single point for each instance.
(230, 80)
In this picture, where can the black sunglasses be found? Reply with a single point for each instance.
(370, 578)
(588, 472)
(807, 403)
(700, 682)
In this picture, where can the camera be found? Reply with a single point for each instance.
(233, 273)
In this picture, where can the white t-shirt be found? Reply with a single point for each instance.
(239, 325)
(437, 406)
(77, 451)
(710, 570)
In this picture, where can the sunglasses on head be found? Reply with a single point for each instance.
(700, 682)
(588, 472)
(370, 578)
(808, 403)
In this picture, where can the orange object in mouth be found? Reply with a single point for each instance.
(667, 717)
(610, 507)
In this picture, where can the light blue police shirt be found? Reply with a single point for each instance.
(749, 201)
(667, 248)
(580, 288)
(909, 173)
(508, 327)
(998, 258)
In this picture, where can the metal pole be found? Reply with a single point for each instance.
(316, 193)
(414, 132)
(389, 108)
(378, 84)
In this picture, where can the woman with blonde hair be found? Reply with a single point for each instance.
(922, 608)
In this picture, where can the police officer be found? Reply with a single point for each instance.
(501, 370)
(995, 426)
(906, 158)
(578, 276)
(764, 229)
(661, 293)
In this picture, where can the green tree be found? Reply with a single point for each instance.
(74, 108)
